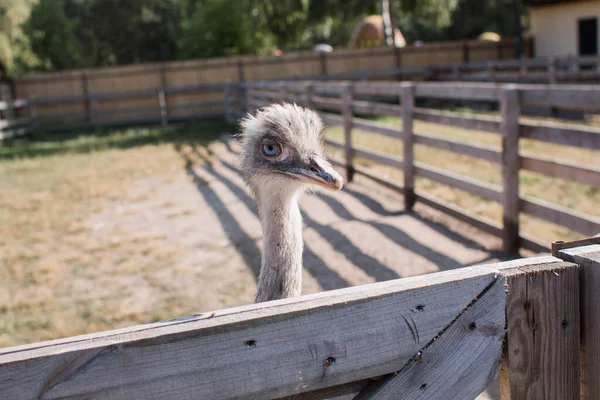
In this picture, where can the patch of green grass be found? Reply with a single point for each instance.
(86, 141)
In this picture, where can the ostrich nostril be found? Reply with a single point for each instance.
(313, 169)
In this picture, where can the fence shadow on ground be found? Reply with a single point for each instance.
(223, 170)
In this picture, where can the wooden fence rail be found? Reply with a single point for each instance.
(95, 105)
(435, 336)
(511, 99)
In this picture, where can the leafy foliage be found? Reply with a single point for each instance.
(61, 34)
(52, 36)
(221, 28)
(15, 51)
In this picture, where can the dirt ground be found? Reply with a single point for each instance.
(357, 236)
(162, 231)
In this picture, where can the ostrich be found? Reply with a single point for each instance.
(282, 157)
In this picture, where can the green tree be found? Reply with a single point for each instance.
(222, 28)
(52, 36)
(15, 52)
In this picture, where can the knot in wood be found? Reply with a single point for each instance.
(329, 362)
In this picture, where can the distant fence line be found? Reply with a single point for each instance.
(341, 97)
(119, 91)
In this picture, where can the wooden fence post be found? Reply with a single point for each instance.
(510, 104)
(323, 62)
(542, 343)
(551, 70)
(347, 114)
(33, 117)
(265, 99)
(227, 89)
(94, 113)
(588, 259)
(466, 52)
(522, 67)
(85, 92)
(162, 107)
(247, 97)
(408, 101)
(282, 92)
(309, 88)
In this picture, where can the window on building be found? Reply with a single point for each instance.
(588, 36)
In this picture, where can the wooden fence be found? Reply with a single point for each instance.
(436, 336)
(342, 97)
(96, 106)
(115, 94)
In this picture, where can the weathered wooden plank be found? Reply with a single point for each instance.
(569, 135)
(460, 363)
(462, 90)
(543, 332)
(250, 352)
(377, 157)
(407, 95)
(477, 188)
(533, 244)
(332, 119)
(510, 105)
(377, 88)
(346, 102)
(579, 222)
(373, 176)
(327, 103)
(7, 105)
(478, 123)
(375, 108)
(588, 259)
(563, 96)
(382, 129)
(334, 143)
(484, 152)
(460, 214)
(588, 175)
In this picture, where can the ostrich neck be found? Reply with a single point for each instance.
(281, 269)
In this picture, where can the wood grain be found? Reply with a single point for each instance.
(375, 108)
(407, 97)
(588, 175)
(346, 102)
(460, 363)
(378, 157)
(569, 135)
(477, 188)
(543, 336)
(460, 214)
(588, 258)
(253, 352)
(376, 127)
(563, 96)
(375, 177)
(484, 152)
(478, 122)
(579, 222)
(510, 105)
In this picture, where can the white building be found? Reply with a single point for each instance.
(565, 27)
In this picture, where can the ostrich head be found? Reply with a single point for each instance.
(283, 151)
(282, 156)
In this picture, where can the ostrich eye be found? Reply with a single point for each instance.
(271, 149)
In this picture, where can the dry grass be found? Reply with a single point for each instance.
(63, 271)
(67, 267)
(569, 194)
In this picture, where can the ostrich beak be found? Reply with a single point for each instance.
(319, 172)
